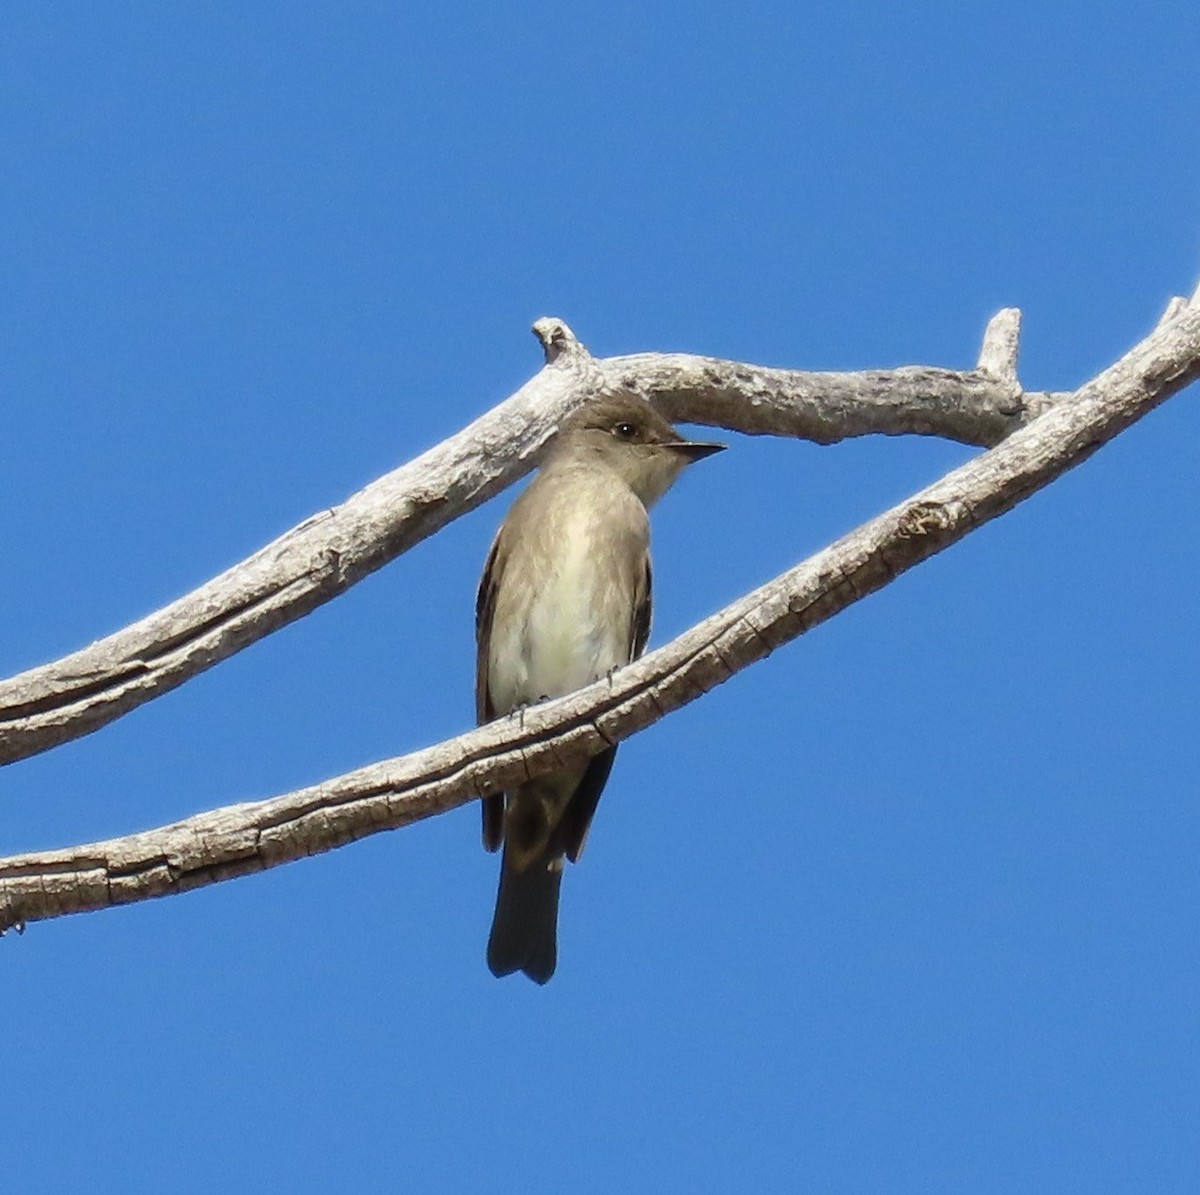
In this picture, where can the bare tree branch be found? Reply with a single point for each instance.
(251, 837)
(333, 550)
(976, 407)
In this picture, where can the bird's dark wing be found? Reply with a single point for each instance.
(571, 832)
(485, 608)
(641, 613)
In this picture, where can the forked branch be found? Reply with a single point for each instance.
(331, 551)
(251, 837)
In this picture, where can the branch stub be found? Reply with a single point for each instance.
(556, 338)
(1001, 343)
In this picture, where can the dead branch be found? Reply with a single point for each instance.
(250, 837)
(325, 555)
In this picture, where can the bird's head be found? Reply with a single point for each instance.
(630, 437)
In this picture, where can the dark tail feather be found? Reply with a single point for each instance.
(525, 928)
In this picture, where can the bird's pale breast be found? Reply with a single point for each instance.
(564, 609)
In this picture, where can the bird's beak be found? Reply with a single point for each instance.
(691, 451)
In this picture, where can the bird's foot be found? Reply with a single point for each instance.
(518, 711)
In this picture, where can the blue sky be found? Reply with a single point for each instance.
(912, 905)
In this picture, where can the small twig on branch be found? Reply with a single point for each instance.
(1001, 344)
(1175, 305)
(246, 838)
(325, 555)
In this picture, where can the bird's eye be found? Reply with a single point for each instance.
(625, 431)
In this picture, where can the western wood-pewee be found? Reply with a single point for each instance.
(565, 599)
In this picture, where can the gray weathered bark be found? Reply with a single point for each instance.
(251, 837)
(329, 552)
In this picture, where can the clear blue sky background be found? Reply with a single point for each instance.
(910, 907)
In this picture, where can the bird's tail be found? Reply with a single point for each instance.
(525, 928)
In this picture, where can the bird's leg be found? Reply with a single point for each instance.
(518, 711)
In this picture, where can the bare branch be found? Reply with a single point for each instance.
(980, 407)
(307, 566)
(333, 550)
(251, 837)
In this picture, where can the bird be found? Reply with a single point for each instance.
(565, 600)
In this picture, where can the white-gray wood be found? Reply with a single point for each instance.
(250, 837)
(326, 554)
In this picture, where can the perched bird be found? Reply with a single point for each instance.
(565, 599)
